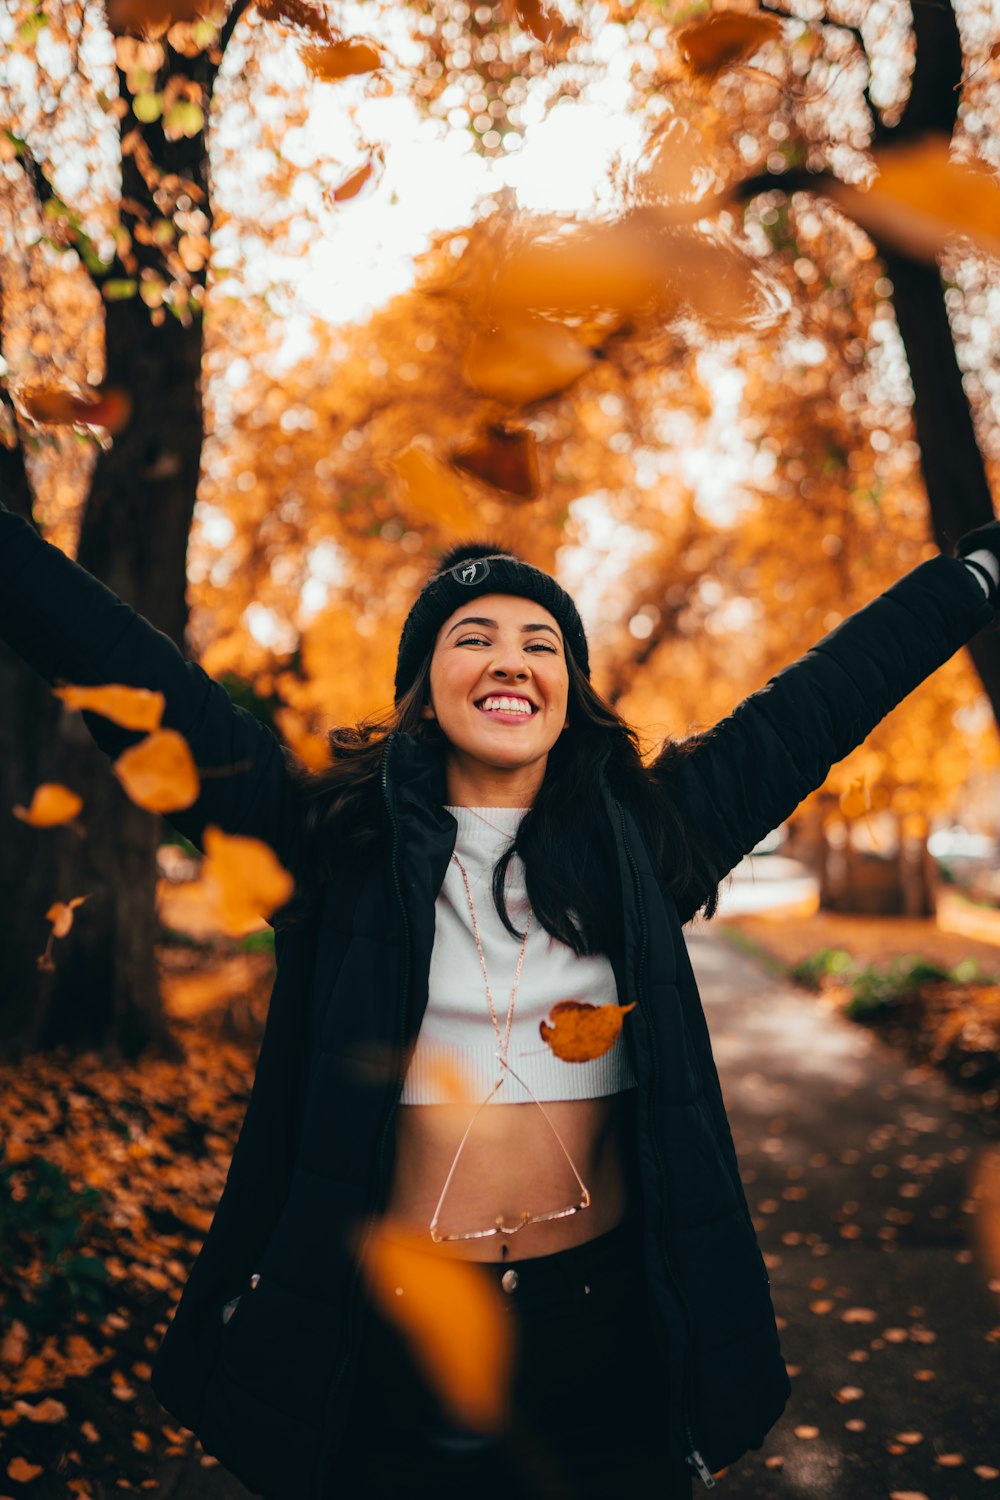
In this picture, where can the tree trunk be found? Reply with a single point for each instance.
(104, 989)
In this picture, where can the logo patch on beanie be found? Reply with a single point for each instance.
(473, 571)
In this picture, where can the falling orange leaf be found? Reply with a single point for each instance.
(431, 490)
(352, 185)
(449, 1082)
(923, 197)
(108, 407)
(524, 360)
(595, 269)
(51, 804)
(341, 59)
(505, 458)
(151, 18)
(547, 26)
(578, 1032)
(159, 773)
(60, 914)
(856, 801)
(717, 41)
(243, 879)
(452, 1317)
(985, 1190)
(296, 13)
(131, 707)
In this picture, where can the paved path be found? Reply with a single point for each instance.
(857, 1170)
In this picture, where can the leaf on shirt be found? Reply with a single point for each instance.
(577, 1031)
(131, 707)
(159, 773)
(51, 804)
(451, 1316)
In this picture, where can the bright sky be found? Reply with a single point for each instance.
(434, 176)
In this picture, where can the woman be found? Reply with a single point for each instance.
(603, 1198)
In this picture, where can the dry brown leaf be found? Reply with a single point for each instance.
(152, 18)
(577, 1032)
(717, 41)
(244, 880)
(352, 185)
(341, 59)
(60, 914)
(49, 1410)
(108, 407)
(430, 490)
(547, 26)
(505, 458)
(22, 1471)
(159, 773)
(525, 359)
(51, 804)
(297, 13)
(923, 197)
(591, 269)
(131, 707)
(451, 1315)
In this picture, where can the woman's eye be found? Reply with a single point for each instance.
(479, 640)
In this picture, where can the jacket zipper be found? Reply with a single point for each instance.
(693, 1456)
(401, 1041)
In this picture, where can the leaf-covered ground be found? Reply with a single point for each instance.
(850, 1156)
(152, 1140)
(955, 1026)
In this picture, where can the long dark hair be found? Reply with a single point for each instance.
(563, 839)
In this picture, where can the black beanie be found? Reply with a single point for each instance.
(466, 571)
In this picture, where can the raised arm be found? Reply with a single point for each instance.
(69, 627)
(738, 780)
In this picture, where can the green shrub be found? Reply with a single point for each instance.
(812, 970)
(44, 1222)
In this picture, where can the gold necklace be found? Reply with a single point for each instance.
(526, 1218)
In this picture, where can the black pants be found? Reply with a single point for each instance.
(589, 1400)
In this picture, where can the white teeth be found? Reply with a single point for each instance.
(507, 705)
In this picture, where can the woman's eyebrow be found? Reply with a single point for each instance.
(493, 625)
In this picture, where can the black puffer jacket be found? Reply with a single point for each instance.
(268, 1391)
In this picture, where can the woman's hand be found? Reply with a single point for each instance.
(980, 551)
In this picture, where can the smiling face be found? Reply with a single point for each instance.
(499, 690)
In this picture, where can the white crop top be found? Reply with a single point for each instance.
(456, 1035)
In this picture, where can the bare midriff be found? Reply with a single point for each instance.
(512, 1163)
